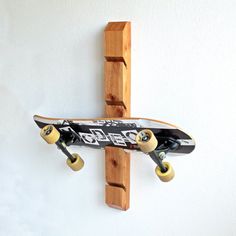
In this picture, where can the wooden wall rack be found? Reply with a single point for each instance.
(117, 82)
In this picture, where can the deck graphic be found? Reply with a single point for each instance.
(115, 132)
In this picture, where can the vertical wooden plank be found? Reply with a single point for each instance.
(117, 78)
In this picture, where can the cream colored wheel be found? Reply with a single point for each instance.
(77, 164)
(166, 176)
(50, 134)
(146, 140)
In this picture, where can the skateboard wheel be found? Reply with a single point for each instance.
(166, 176)
(146, 140)
(50, 134)
(77, 164)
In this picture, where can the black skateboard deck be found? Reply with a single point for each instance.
(116, 132)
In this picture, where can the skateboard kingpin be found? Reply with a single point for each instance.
(154, 138)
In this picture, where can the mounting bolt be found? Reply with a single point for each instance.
(162, 155)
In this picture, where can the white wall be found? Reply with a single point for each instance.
(183, 72)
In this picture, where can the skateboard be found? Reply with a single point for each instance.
(152, 137)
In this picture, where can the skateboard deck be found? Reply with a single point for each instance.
(116, 132)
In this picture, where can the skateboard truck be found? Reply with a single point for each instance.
(52, 136)
(159, 154)
(148, 143)
(62, 146)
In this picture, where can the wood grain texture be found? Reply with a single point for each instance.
(117, 110)
(116, 197)
(117, 42)
(116, 86)
(117, 166)
(117, 80)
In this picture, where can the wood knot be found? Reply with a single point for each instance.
(111, 97)
(114, 163)
(120, 111)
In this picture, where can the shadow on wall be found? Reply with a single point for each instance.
(90, 83)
